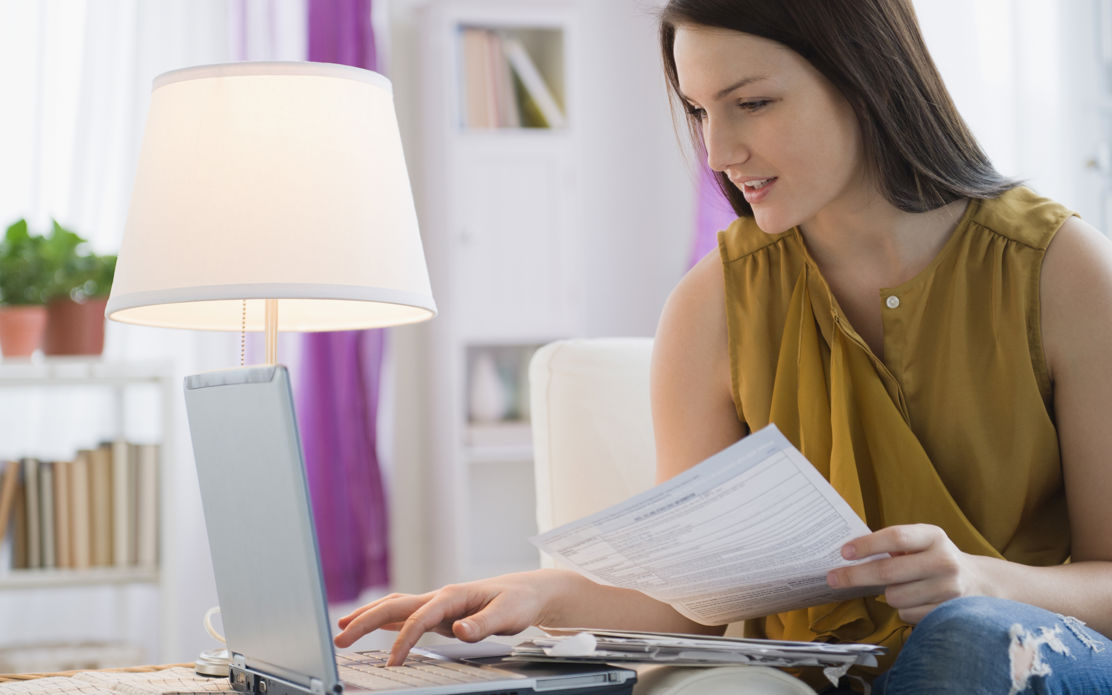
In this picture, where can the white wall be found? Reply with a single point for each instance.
(640, 191)
(77, 78)
(639, 205)
(1024, 74)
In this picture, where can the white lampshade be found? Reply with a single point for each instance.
(271, 181)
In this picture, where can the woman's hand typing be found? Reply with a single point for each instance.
(507, 605)
(502, 605)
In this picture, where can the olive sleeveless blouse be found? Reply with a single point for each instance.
(954, 427)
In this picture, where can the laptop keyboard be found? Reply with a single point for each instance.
(368, 670)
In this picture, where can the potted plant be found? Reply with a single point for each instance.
(24, 277)
(76, 294)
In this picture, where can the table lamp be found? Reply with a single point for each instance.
(271, 196)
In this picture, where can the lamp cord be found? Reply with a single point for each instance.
(243, 336)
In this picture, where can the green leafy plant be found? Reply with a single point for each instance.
(24, 274)
(35, 269)
(91, 276)
(76, 272)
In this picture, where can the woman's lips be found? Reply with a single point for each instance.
(756, 190)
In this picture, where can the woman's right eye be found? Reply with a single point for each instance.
(696, 112)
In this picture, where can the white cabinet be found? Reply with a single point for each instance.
(51, 409)
(500, 207)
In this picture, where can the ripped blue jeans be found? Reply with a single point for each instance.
(984, 645)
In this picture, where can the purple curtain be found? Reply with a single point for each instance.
(713, 213)
(337, 401)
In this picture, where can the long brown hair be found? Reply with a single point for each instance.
(918, 146)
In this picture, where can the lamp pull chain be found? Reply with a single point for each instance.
(243, 336)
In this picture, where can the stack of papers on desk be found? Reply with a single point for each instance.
(689, 650)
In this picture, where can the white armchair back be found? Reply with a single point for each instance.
(593, 447)
(592, 427)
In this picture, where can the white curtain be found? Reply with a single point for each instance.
(1027, 75)
(76, 84)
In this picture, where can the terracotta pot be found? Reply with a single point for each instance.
(21, 329)
(75, 328)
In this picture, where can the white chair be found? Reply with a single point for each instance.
(592, 429)
(593, 447)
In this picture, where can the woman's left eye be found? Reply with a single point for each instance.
(753, 105)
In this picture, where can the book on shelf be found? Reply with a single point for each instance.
(20, 558)
(98, 510)
(81, 521)
(123, 504)
(32, 516)
(100, 503)
(535, 85)
(472, 75)
(146, 522)
(9, 485)
(63, 542)
(501, 84)
(505, 98)
(476, 80)
(46, 514)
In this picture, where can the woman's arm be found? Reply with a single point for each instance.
(507, 605)
(693, 417)
(1077, 338)
(692, 403)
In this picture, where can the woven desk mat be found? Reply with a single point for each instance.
(12, 677)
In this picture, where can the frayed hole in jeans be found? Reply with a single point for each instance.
(1025, 653)
(1077, 627)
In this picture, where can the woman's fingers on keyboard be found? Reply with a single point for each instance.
(447, 604)
(472, 611)
(344, 621)
(394, 610)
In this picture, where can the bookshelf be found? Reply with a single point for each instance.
(500, 203)
(511, 76)
(54, 408)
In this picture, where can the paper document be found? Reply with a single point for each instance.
(691, 650)
(660, 647)
(751, 531)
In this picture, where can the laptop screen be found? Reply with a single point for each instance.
(259, 520)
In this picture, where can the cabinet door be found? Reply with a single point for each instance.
(515, 265)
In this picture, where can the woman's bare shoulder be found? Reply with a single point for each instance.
(695, 312)
(693, 410)
(1076, 291)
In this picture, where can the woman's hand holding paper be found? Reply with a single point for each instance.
(924, 570)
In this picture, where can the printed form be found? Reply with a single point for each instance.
(751, 531)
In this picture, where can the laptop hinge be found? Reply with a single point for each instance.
(256, 682)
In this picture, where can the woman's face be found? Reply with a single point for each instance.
(779, 129)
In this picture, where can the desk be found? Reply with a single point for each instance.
(140, 680)
(652, 680)
(13, 677)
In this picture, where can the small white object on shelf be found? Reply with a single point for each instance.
(488, 400)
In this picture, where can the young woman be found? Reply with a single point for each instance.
(932, 336)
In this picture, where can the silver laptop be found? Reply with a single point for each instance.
(267, 567)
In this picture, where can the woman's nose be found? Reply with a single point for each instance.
(724, 146)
